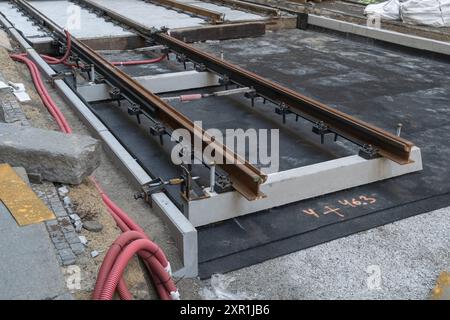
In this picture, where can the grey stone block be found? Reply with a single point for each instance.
(58, 240)
(64, 221)
(63, 191)
(35, 177)
(58, 157)
(72, 238)
(92, 225)
(83, 240)
(58, 209)
(77, 248)
(62, 245)
(55, 234)
(51, 223)
(74, 217)
(67, 202)
(69, 260)
(10, 110)
(78, 226)
(60, 212)
(67, 256)
(68, 229)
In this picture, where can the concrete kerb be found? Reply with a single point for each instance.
(393, 37)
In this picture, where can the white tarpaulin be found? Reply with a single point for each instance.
(389, 10)
(434, 13)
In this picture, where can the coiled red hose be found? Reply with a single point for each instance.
(154, 258)
(63, 59)
(122, 260)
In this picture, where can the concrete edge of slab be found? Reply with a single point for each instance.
(45, 45)
(185, 233)
(219, 32)
(161, 83)
(285, 187)
(392, 37)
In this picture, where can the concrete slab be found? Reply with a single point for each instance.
(151, 15)
(230, 14)
(163, 83)
(29, 268)
(20, 21)
(90, 26)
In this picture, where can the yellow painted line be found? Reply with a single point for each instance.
(442, 289)
(19, 198)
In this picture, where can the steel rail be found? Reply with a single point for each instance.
(385, 143)
(253, 7)
(362, 133)
(213, 16)
(245, 178)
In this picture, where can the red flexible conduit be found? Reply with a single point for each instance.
(133, 240)
(138, 62)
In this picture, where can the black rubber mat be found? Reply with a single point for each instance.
(379, 85)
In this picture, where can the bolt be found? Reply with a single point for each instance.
(399, 129)
(212, 176)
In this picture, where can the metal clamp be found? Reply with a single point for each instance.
(158, 129)
(322, 129)
(251, 95)
(182, 58)
(283, 110)
(368, 152)
(200, 67)
(155, 186)
(135, 110)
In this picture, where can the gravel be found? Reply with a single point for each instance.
(401, 260)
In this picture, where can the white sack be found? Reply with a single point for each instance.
(434, 13)
(388, 10)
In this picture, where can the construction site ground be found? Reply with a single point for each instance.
(409, 254)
